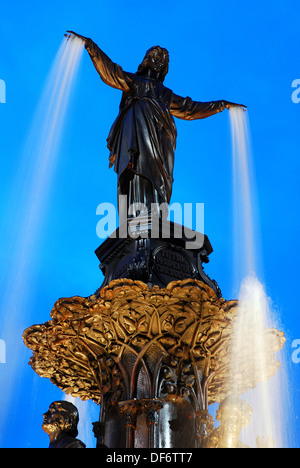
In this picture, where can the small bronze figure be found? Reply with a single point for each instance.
(233, 414)
(60, 423)
(142, 139)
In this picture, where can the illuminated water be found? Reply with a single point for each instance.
(255, 310)
(21, 230)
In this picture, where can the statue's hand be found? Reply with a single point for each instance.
(229, 105)
(86, 40)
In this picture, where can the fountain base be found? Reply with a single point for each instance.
(153, 358)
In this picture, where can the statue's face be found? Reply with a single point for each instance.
(157, 59)
(231, 422)
(53, 419)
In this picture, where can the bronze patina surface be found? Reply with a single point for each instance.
(142, 139)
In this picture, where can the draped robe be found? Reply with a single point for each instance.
(142, 139)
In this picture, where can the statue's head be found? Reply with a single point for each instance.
(156, 59)
(61, 416)
(234, 412)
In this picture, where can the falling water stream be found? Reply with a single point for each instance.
(22, 229)
(255, 310)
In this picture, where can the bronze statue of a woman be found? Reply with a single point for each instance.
(142, 139)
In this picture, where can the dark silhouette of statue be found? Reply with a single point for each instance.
(60, 423)
(142, 139)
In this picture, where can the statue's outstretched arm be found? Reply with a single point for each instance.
(187, 109)
(111, 73)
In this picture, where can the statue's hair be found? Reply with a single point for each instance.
(143, 67)
(70, 415)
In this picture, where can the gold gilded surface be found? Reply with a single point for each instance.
(179, 337)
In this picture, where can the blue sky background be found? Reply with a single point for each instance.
(240, 52)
